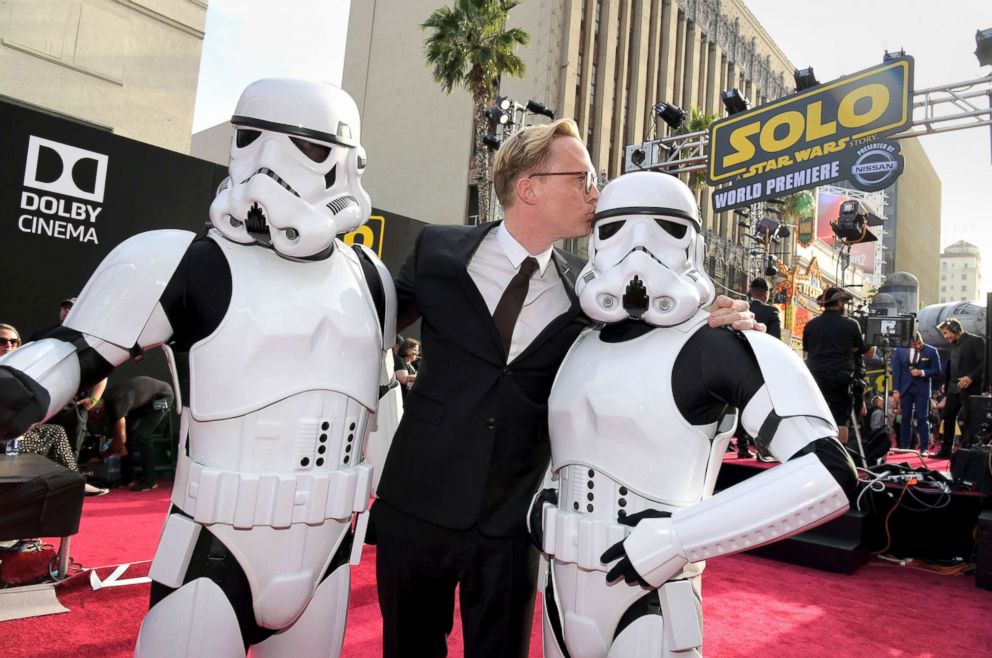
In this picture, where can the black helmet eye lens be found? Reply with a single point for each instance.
(674, 229)
(246, 136)
(608, 230)
(314, 151)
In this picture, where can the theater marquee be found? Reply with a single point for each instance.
(831, 132)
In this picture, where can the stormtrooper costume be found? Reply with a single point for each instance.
(282, 328)
(641, 413)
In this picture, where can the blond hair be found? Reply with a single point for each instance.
(527, 151)
(10, 327)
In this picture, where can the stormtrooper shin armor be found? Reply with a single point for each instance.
(621, 445)
(282, 385)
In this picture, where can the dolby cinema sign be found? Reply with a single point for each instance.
(63, 190)
(71, 192)
(834, 131)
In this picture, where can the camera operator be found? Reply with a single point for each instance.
(831, 343)
(962, 379)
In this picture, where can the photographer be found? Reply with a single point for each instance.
(831, 342)
(962, 379)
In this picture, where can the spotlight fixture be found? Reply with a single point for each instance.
(734, 101)
(888, 57)
(805, 79)
(775, 201)
(497, 116)
(744, 211)
(637, 157)
(504, 103)
(853, 223)
(673, 115)
(491, 141)
(743, 224)
(983, 47)
(540, 108)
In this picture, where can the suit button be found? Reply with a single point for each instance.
(507, 371)
(491, 423)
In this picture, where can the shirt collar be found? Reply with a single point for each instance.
(516, 254)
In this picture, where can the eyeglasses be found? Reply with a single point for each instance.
(13, 342)
(587, 178)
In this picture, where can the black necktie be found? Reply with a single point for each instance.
(508, 309)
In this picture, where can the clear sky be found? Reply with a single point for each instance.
(250, 39)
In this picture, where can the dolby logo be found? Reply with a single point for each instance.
(67, 170)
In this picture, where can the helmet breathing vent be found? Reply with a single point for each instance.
(257, 227)
(342, 203)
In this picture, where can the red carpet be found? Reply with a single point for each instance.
(752, 606)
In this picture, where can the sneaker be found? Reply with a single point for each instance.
(140, 486)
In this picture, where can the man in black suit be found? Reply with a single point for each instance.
(498, 312)
(763, 311)
(962, 378)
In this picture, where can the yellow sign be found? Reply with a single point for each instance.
(801, 129)
(368, 234)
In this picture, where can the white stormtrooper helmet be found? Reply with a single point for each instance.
(296, 168)
(645, 253)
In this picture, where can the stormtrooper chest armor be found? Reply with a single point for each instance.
(291, 327)
(612, 410)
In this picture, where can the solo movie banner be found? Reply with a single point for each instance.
(71, 192)
(833, 131)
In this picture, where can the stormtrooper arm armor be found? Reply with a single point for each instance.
(789, 416)
(117, 316)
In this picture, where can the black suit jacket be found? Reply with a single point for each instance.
(472, 447)
(970, 363)
(768, 316)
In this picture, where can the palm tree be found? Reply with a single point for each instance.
(469, 46)
(698, 121)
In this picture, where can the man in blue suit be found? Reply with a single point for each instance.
(912, 369)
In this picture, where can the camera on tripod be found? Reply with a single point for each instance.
(890, 331)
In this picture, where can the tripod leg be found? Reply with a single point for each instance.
(858, 449)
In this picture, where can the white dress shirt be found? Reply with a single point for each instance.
(496, 261)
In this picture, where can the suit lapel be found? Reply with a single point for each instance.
(462, 253)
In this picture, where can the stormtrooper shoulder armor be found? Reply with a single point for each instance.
(121, 295)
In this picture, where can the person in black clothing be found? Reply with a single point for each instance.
(763, 311)
(963, 373)
(831, 343)
(404, 369)
(134, 411)
(768, 316)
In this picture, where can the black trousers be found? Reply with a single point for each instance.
(142, 426)
(955, 404)
(418, 566)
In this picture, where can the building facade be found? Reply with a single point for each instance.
(130, 67)
(605, 63)
(960, 273)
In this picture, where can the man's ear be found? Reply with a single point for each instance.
(526, 190)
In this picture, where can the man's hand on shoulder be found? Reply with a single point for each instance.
(734, 312)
